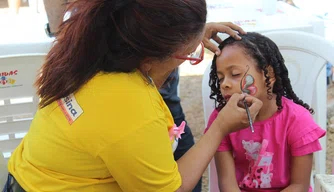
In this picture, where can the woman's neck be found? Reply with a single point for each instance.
(268, 109)
(157, 72)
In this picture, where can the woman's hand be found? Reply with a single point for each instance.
(211, 32)
(233, 116)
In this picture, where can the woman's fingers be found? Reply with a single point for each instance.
(212, 29)
(234, 27)
(254, 105)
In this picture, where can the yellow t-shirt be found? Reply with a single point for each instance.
(112, 135)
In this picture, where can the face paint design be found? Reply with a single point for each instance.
(247, 84)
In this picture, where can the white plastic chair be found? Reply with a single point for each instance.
(306, 56)
(3, 171)
(18, 99)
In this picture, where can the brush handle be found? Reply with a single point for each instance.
(249, 117)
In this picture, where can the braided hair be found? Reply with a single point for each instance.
(265, 53)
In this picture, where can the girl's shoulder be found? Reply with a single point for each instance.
(214, 114)
(293, 108)
(211, 118)
(300, 124)
(291, 115)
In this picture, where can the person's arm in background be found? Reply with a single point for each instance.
(55, 10)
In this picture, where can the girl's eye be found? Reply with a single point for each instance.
(220, 79)
(235, 75)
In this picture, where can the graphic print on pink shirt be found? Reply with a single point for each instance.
(259, 172)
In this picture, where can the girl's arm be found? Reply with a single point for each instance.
(300, 173)
(226, 172)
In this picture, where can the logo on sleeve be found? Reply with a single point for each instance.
(70, 108)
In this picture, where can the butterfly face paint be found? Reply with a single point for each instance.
(247, 84)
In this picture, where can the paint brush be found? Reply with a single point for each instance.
(248, 82)
(249, 116)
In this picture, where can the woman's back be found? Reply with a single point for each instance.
(70, 141)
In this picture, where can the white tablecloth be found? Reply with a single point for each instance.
(24, 33)
(249, 15)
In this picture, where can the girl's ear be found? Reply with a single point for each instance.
(271, 74)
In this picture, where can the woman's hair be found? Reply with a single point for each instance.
(265, 53)
(115, 36)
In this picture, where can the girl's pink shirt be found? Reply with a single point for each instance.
(289, 132)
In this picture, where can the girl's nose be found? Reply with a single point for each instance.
(225, 84)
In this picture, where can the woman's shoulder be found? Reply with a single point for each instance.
(112, 106)
(114, 97)
(117, 81)
(123, 88)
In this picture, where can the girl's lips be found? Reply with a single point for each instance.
(227, 97)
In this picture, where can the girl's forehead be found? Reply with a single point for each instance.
(232, 52)
(234, 55)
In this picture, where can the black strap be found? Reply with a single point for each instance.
(48, 30)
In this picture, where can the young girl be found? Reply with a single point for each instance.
(277, 156)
